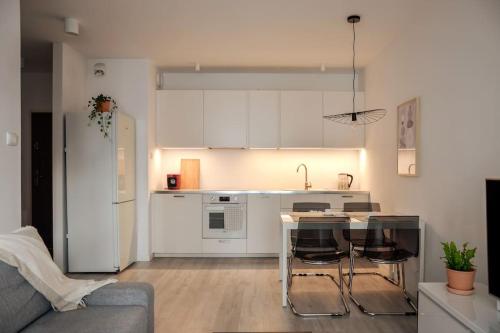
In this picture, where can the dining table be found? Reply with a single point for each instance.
(354, 221)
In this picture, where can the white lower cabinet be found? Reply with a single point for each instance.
(263, 223)
(433, 319)
(336, 200)
(177, 223)
(287, 200)
(227, 246)
(339, 199)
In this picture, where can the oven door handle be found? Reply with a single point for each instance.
(215, 208)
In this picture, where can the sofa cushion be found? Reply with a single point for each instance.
(93, 319)
(20, 303)
(126, 293)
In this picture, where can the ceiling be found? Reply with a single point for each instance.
(215, 33)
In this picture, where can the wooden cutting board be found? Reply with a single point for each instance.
(190, 174)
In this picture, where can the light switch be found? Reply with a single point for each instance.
(11, 139)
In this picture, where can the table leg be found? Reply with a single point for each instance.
(281, 260)
(284, 266)
(421, 252)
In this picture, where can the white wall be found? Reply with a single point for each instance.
(131, 83)
(10, 114)
(36, 96)
(144, 252)
(449, 56)
(265, 169)
(68, 95)
(36, 91)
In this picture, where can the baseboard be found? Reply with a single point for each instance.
(215, 255)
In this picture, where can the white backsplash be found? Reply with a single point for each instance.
(264, 169)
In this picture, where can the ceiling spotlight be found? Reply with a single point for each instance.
(71, 26)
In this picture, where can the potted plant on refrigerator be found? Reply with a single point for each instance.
(102, 108)
(460, 269)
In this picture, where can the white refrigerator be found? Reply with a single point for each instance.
(100, 194)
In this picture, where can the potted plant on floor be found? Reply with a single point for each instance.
(460, 269)
(102, 108)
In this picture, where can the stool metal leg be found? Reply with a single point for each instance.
(339, 285)
(351, 266)
(400, 266)
(388, 279)
(290, 269)
(408, 298)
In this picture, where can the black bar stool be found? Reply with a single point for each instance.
(357, 238)
(315, 243)
(378, 248)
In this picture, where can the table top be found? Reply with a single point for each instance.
(354, 220)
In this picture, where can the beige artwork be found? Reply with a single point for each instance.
(407, 124)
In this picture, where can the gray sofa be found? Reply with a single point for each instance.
(115, 308)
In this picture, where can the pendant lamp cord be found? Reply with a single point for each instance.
(353, 67)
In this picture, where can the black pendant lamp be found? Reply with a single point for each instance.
(360, 117)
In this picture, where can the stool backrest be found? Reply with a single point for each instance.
(361, 207)
(308, 236)
(359, 236)
(401, 231)
(310, 206)
(321, 233)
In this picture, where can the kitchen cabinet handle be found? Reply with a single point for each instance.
(179, 196)
(224, 241)
(347, 196)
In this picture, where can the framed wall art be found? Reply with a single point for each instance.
(408, 123)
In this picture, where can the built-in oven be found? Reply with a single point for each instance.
(225, 216)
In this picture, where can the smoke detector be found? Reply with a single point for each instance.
(99, 69)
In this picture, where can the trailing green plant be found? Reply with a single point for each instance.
(458, 260)
(103, 119)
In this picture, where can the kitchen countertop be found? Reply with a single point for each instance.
(262, 191)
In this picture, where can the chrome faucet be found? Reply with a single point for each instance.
(307, 184)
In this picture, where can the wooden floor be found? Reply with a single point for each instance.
(244, 295)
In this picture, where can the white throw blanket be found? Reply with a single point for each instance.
(25, 250)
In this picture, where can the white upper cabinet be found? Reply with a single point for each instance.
(225, 118)
(264, 119)
(255, 119)
(339, 135)
(179, 119)
(301, 119)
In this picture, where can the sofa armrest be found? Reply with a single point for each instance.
(125, 293)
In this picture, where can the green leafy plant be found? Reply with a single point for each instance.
(458, 260)
(102, 108)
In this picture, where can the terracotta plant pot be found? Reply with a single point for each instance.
(460, 280)
(105, 106)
